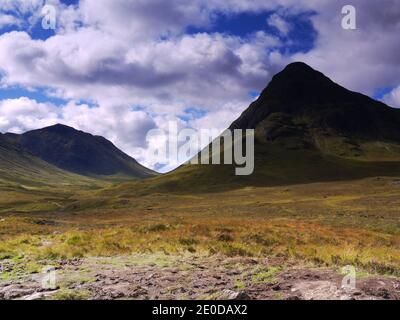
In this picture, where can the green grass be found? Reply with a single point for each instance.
(265, 275)
(68, 294)
(27, 173)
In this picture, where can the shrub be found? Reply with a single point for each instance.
(156, 228)
(188, 241)
(225, 238)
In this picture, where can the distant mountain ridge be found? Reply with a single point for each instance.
(77, 152)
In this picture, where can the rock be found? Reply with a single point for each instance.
(233, 295)
(168, 279)
(383, 293)
(281, 287)
(138, 292)
(317, 290)
(46, 243)
(293, 298)
(16, 293)
(39, 295)
(35, 296)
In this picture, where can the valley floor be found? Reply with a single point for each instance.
(287, 242)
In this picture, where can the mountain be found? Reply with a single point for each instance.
(304, 104)
(77, 152)
(308, 129)
(23, 170)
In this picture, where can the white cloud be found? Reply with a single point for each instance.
(8, 20)
(19, 115)
(178, 69)
(364, 59)
(275, 20)
(393, 98)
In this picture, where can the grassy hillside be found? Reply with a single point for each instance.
(30, 184)
(79, 152)
(275, 165)
(21, 168)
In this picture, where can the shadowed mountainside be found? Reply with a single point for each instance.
(303, 104)
(78, 152)
(19, 169)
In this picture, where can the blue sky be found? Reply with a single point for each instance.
(120, 68)
(302, 32)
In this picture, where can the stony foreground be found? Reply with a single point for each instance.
(191, 277)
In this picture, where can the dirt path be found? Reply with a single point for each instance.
(191, 277)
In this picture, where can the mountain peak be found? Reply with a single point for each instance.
(298, 81)
(298, 67)
(299, 92)
(296, 88)
(298, 71)
(60, 125)
(59, 128)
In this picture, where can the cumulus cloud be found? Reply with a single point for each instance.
(19, 115)
(8, 20)
(275, 20)
(363, 59)
(393, 98)
(168, 71)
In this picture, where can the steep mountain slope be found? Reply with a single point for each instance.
(306, 109)
(79, 152)
(21, 169)
(308, 129)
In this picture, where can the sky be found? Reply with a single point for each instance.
(121, 68)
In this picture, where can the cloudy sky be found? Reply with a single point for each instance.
(120, 68)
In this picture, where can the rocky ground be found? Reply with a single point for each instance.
(191, 277)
